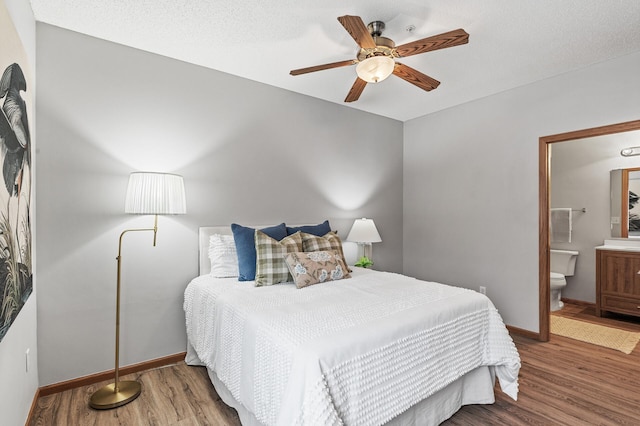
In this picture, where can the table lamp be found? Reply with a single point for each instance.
(364, 232)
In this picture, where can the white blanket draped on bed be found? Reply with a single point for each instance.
(355, 351)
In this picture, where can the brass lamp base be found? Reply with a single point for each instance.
(106, 398)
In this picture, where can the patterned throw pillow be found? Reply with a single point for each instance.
(329, 241)
(270, 265)
(223, 256)
(315, 267)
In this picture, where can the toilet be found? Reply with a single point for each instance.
(563, 264)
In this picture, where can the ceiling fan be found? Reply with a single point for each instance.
(376, 59)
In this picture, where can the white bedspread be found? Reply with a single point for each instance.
(358, 351)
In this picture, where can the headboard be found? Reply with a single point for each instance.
(204, 232)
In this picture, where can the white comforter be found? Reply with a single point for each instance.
(358, 351)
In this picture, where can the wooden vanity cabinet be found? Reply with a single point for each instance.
(617, 282)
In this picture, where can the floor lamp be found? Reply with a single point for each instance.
(147, 193)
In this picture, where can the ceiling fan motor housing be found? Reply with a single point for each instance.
(384, 46)
(376, 28)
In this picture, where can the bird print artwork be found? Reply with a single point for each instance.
(15, 224)
(14, 128)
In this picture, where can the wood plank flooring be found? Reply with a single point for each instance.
(567, 382)
(177, 395)
(562, 382)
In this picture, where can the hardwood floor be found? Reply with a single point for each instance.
(567, 382)
(177, 395)
(562, 382)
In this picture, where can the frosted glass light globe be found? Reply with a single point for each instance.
(375, 68)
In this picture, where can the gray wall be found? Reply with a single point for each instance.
(19, 385)
(471, 180)
(580, 178)
(248, 152)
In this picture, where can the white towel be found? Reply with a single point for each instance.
(560, 225)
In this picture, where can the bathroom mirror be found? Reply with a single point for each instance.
(625, 203)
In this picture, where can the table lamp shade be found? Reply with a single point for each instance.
(364, 231)
(155, 193)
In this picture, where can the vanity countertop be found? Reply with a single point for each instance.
(618, 248)
(620, 245)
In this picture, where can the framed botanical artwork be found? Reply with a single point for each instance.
(16, 103)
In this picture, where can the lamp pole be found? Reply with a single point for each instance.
(120, 392)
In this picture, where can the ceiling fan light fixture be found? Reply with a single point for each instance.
(375, 60)
(375, 68)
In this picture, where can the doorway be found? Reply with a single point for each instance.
(544, 206)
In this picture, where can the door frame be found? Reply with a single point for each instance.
(543, 210)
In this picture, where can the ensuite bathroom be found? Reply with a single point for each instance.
(595, 223)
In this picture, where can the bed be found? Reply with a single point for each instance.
(377, 348)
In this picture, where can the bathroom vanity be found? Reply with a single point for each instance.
(618, 277)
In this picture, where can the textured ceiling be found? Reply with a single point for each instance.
(511, 43)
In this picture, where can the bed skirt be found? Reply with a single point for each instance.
(476, 387)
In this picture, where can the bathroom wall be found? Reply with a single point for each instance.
(580, 178)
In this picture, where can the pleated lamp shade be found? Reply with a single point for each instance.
(155, 193)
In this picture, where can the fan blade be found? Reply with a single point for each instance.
(356, 90)
(450, 39)
(322, 67)
(358, 30)
(414, 76)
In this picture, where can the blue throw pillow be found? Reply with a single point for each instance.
(244, 238)
(318, 230)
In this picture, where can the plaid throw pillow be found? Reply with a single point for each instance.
(327, 242)
(270, 265)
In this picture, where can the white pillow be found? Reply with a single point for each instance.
(223, 256)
